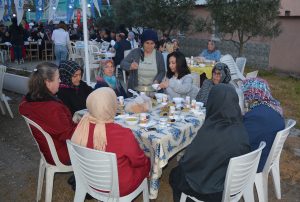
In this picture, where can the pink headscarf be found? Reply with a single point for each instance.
(102, 107)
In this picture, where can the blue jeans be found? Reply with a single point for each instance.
(18, 52)
(61, 53)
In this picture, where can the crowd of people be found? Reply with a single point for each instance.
(57, 92)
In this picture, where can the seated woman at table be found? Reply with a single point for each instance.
(201, 171)
(72, 90)
(264, 118)
(180, 81)
(108, 79)
(220, 74)
(43, 107)
(145, 65)
(211, 53)
(97, 130)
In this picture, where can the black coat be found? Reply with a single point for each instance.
(221, 137)
(75, 98)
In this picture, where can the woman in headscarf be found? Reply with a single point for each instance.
(264, 118)
(202, 170)
(72, 90)
(108, 79)
(97, 130)
(145, 65)
(220, 74)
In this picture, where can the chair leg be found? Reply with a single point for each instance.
(7, 106)
(80, 193)
(40, 180)
(276, 178)
(49, 184)
(2, 108)
(183, 197)
(145, 191)
(261, 183)
(248, 194)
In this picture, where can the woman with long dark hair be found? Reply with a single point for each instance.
(179, 81)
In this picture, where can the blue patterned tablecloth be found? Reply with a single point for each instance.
(163, 142)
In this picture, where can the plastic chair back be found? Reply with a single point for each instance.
(241, 63)
(241, 175)
(48, 138)
(278, 143)
(126, 52)
(234, 70)
(96, 173)
(105, 45)
(95, 170)
(50, 169)
(252, 74)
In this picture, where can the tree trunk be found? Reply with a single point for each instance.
(241, 49)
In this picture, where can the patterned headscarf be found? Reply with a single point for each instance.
(225, 72)
(257, 92)
(66, 70)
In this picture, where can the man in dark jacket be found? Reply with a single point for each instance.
(121, 45)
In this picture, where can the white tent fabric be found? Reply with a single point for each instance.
(97, 6)
(19, 10)
(52, 9)
(2, 9)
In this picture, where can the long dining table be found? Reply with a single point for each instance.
(161, 142)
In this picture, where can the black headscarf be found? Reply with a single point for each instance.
(66, 70)
(221, 137)
(225, 72)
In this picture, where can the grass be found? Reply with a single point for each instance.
(285, 89)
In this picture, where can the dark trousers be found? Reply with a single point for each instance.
(179, 184)
(17, 52)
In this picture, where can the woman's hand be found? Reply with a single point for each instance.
(164, 84)
(134, 66)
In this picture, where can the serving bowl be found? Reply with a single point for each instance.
(131, 120)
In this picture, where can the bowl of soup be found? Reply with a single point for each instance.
(131, 120)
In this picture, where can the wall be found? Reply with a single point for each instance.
(257, 54)
(285, 49)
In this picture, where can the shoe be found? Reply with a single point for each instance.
(22, 61)
(16, 61)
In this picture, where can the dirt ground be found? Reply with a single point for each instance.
(20, 158)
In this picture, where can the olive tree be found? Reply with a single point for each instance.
(241, 20)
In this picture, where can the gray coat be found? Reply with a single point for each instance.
(182, 87)
(135, 55)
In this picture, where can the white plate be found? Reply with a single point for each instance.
(156, 86)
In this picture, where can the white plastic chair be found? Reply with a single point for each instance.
(272, 164)
(252, 74)
(241, 63)
(240, 177)
(2, 95)
(105, 45)
(96, 170)
(234, 70)
(50, 169)
(73, 53)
